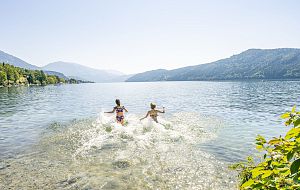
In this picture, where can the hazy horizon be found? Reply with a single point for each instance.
(137, 36)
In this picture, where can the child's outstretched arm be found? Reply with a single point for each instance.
(161, 111)
(145, 116)
(111, 111)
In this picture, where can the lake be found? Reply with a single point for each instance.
(58, 136)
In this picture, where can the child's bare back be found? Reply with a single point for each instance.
(153, 113)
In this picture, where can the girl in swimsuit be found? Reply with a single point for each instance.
(153, 112)
(119, 112)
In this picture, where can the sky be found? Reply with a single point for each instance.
(133, 36)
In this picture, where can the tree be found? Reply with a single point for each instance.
(51, 79)
(72, 81)
(43, 78)
(10, 73)
(62, 80)
(31, 78)
(16, 76)
(3, 78)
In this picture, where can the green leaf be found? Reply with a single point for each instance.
(288, 122)
(286, 173)
(259, 147)
(285, 115)
(248, 183)
(257, 186)
(256, 173)
(292, 133)
(266, 174)
(260, 139)
(297, 122)
(296, 179)
(274, 141)
(295, 166)
(290, 155)
(294, 109)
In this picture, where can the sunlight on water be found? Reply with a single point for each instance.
(55, 137)
(100, 154)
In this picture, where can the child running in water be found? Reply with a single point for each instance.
(119, 112)
(153, 112)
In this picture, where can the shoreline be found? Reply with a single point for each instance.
(240, 80)
(220, 80)
(29, 85)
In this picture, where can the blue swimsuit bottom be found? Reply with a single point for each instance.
(119, 118)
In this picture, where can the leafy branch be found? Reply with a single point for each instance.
(279, 167)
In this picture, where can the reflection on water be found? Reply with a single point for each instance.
(101, 154)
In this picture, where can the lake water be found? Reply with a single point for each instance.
(57, 136)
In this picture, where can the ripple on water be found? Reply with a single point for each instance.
(100, 154)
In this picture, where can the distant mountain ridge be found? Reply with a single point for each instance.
(17, 62)
(83, 72)
(68, 70)
(282, 63)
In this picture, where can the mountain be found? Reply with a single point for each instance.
(121, 78)
(73, 70)
(17, 62)
(114, 72)
(60, 75)
(83, 72)
(154, 75)
(7, 58)
(283, 63)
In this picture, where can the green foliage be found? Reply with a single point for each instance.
(3, 78)
(62, 80)
(10, 75)
(279, 167)
(16, 76)
(41, 77)
(73, 81)
(51, 79)
(31, 78)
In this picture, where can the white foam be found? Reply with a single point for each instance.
(140, 154)
(143, 134)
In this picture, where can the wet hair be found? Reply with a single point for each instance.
(118, 102)
(153, 106)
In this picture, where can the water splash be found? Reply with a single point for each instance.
(101, 154)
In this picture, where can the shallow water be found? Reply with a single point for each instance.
(100, 154)
(55, 137)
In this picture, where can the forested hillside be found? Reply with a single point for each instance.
(11, 75)
(251, 64)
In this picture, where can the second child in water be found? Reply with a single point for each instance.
(119, 112)
(153, 112)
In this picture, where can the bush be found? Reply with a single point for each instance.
(279, 166)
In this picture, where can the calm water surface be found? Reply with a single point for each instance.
(221, 118)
